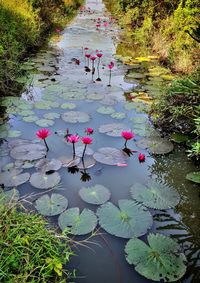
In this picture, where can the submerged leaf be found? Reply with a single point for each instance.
(194, 177)
(161, 260)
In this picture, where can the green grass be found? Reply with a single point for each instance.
(29, 252)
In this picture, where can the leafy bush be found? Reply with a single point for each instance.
(30, 252)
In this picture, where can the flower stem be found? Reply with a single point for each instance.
(46, 145)
(74, 153)
(125, 144)
(110, 79)
(84, 151)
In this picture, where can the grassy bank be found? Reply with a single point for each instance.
(24, 26)
(29, 251)
(163, 27)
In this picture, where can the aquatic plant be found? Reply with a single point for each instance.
(110, 67)
(89, 131)
(73, 139)
(127, 135)
(141, 157)
(43, 134)
(86, 140)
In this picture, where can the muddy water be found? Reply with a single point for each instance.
(56, 76)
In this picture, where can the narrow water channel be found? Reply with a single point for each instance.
(58, 84)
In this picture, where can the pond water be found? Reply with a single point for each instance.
(58, 84)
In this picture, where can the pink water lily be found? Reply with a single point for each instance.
(99, 55)
(110, 67)
(127, 135)
(89, 131)
(86, 140)
(73, 139)
(141, 157)
(121, 164)
(43, 134)
(93, 58)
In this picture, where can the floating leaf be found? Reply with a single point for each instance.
(75, 117)
(155, 145)
(14, 134)
(114, 129)
(79, 223)
(24, 164)
(44, 181)
(46, 165)
(79, 151)
(138, 119)
(28, 151)
(87, 163)
(44, 122)
(95, 96)
(155, 195)
(46, 104)
(194, 177)
(26, 112)
(106, 110)
(160, 261)
(13, 178)
(9, 196)
(118, 115)
(68, 106)
(179, 138)
(110, 156)
(52, 115)
(51, 205)
(69, 161)
(97, 194)
(127, 221)
(30, 119)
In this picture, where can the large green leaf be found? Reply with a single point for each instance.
(161, 260)
(155, 195)
(51, 205)
(127, 221)
(28, 151)
(97, 194)
(194, 176)
(79, 223)
(44, 181)
(155, 145)
(13, 178)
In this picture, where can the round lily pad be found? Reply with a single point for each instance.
(79, 151)
(114, 129)
(45, 181)
(69, 161)
(52, 115)
(9, 196)
(106, 110)
(87, 163)
(44, 122)
(13, 178)
(46, 165)
(14, 133)
(155, 195)
(95, 96)
(194, 177)
(79, 223)
(30, 119)
(127, 221)
(75, 117)
(118, 115)
(68, 106)
(97, 194)
(159, 261)
(24, 164)
(155, 145)
(110, 156)
(51, 205)
(26, 112)
(47, 104)
(29, 151)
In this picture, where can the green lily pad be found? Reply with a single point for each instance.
(43, 181)
(44, 122)
(106, 110)
(97, 194)
(158, 261)
(26, 113)
(155, 145)
(68, 106)
(28, 151)
(127, 221)
(118, 115)
(51, 115)
(22, 105)
(9, 196)
(110, 156)
(24, 164)
(194, 177)
(114, 129)
(179, 138)
(155, 195)
(13, 178)
(14, 134)
(95, 96)
(75, 117)
(46, 104)
(79, 223)
(88, 162)
(51, 205)
(69, 161)
(30, 119)
(138, 119)
(80, 149)
(46, 165)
